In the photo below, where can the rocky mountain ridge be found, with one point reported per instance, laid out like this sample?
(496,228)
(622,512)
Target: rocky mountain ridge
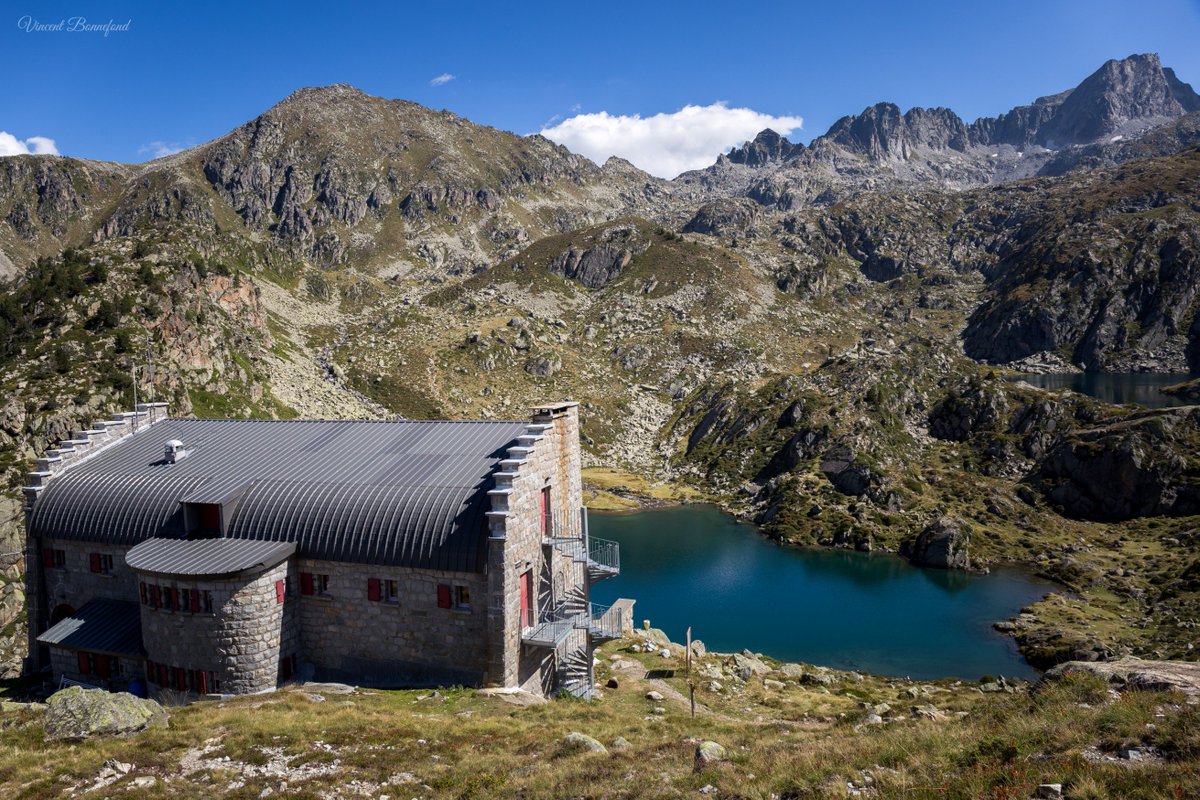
(884,148)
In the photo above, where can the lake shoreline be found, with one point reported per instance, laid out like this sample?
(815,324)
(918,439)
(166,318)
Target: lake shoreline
(841,572)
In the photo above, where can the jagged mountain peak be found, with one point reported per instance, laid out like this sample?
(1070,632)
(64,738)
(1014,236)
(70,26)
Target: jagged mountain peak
(1121,91)
(767,146)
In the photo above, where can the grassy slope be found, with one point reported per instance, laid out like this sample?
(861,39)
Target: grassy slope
(798,741)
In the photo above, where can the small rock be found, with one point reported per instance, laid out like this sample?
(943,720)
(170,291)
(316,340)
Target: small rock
(793,671)
(873,719)
(581,741)
(1049,791)
(929,712)
(655,696)
(120,767)
(709,753)
(620,743)
(143,782)
(659,710)
(708,788)
(772,684)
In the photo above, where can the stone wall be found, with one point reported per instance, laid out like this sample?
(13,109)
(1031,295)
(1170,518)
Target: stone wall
(241,642)
(412,642)
(65,663)
(75,584)
(548,456)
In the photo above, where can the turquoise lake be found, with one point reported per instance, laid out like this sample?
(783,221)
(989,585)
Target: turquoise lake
(695,565)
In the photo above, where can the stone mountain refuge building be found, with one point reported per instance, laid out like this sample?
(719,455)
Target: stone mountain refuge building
(222,556)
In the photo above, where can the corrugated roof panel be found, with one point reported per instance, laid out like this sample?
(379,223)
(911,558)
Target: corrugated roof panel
(402,493)
(101,626)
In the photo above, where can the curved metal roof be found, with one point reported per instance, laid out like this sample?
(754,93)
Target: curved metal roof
(393,493)
(206,557)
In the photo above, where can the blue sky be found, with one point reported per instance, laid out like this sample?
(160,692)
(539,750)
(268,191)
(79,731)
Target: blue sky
(185,73)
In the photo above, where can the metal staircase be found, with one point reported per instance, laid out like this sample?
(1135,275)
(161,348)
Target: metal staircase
(570,608)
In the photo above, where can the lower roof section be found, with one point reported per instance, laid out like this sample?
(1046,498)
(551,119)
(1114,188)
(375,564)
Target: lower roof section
(207,558)
(101,626)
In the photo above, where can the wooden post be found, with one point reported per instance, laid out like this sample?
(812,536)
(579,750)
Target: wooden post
(687,653)
(688,661)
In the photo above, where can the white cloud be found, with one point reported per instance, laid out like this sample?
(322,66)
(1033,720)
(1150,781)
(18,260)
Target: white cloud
(445,77)
(158,149)
(37,145)
(666,144)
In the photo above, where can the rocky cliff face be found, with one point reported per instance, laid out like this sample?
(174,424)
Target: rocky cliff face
(1059,284)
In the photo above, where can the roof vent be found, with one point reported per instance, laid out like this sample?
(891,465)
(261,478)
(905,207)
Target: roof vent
(174,451)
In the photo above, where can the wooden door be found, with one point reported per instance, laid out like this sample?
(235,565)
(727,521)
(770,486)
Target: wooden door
(547,513)
(526,599)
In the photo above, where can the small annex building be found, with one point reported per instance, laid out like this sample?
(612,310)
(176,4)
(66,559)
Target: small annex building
(222,556)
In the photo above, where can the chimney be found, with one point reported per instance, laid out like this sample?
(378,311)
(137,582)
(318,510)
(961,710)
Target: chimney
(174,451)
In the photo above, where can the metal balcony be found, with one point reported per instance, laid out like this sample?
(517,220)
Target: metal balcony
(603,560)
(603,623)
(548,628)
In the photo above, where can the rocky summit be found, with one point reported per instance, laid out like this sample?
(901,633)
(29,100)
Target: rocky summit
(821,337)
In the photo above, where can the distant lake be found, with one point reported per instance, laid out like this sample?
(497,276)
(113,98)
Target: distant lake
(695,565)
(1116,387)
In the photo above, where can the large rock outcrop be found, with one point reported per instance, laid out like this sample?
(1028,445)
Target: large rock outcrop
(78,713)
(1135,467)
(1136,673)
(944,543)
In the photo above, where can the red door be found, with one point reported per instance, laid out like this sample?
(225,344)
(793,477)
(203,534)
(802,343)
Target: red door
(547,528)
(526,600)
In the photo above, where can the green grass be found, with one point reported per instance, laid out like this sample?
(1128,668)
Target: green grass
(798,741)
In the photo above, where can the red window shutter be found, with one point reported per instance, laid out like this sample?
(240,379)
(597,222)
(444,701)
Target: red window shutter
(47,557)
(201,681)
(83,663)
(145,592)
(373,589)
(150,671)
(195,593)
(94,562)
(102,669)
(181,679)
(278,591)
(173,598)
(156,596)
(163,675)
(306,583)
(443,596)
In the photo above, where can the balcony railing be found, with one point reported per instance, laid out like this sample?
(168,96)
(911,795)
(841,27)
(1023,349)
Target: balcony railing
(603,622)
(604,555)
(548,627)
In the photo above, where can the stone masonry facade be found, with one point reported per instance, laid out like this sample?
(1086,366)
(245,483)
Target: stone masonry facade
(241,643)
(400,640)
